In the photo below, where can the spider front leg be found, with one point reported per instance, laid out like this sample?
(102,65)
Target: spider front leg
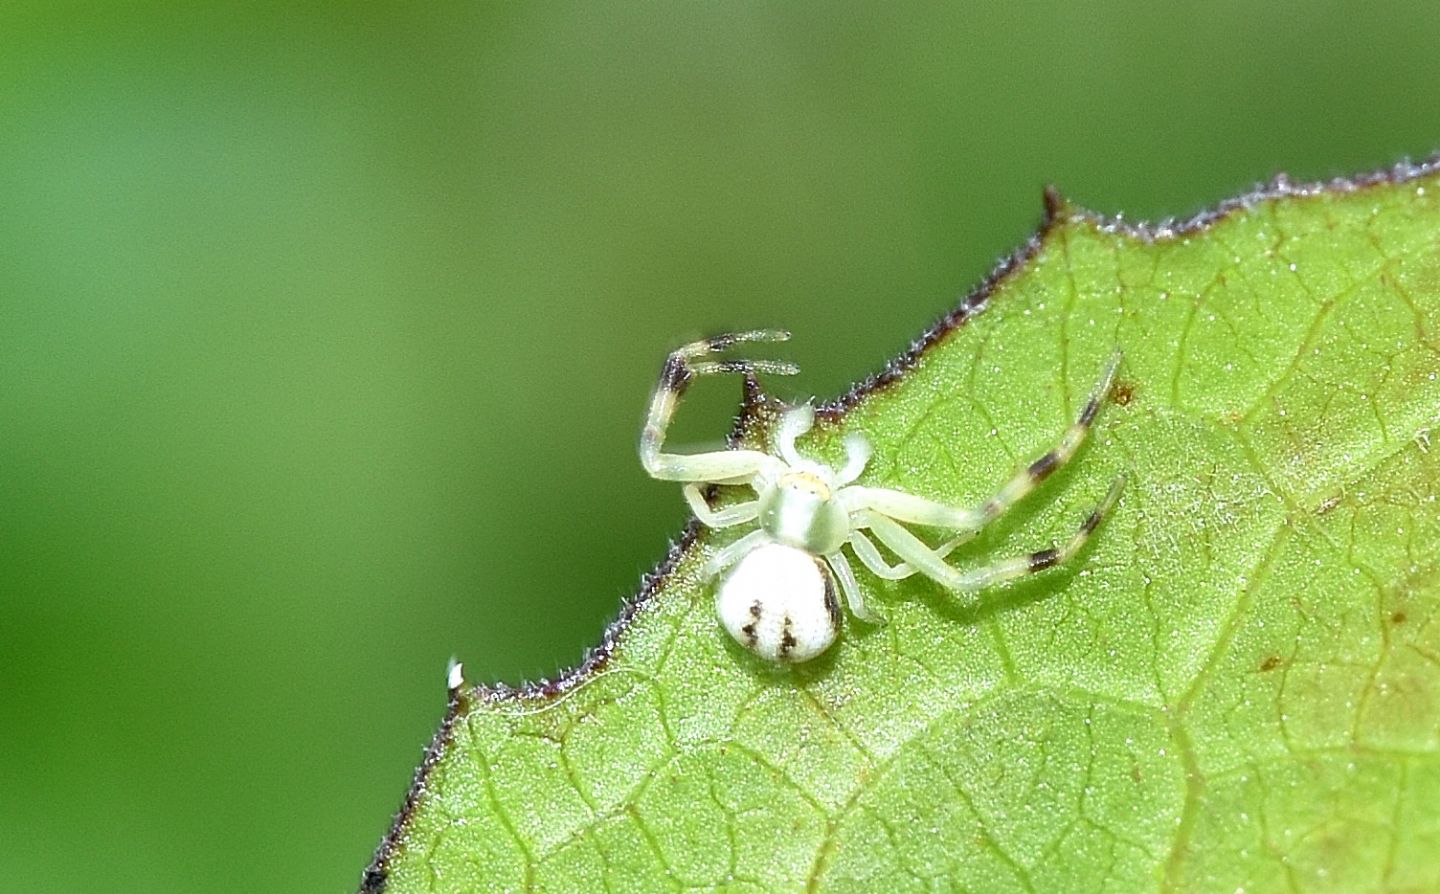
(798,420)
(923,559)
(918,510)
(681,367)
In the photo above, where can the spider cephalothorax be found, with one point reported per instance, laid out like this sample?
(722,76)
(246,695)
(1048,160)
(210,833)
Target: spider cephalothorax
(777,597)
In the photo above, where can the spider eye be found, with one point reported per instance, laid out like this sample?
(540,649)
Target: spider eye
(779,602)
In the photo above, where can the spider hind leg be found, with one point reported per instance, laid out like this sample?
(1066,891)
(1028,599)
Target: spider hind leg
(1054,459)
(919,556)
(913,509)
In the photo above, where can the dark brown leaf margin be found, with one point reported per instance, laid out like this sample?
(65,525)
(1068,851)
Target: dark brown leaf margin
(757,409)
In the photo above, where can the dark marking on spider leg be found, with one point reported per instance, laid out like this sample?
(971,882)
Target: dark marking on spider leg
(1092,408)
(1041,468)
(676,376)
(1092,521)
(1042,559)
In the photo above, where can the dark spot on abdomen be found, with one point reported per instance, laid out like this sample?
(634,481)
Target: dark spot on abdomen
(751,637)
(787,639)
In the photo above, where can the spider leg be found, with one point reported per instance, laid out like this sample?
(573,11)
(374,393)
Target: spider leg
(870,557)
(798,420)
(918,510)
(720,518)
(681,367)
(730,554)
(910,508)
(795,422)
(851,588)
(857,454)
(916,554)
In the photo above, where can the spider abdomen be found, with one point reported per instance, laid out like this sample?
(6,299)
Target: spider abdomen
(779,602)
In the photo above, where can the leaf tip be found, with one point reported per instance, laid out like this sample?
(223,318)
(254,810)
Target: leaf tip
(1057,207)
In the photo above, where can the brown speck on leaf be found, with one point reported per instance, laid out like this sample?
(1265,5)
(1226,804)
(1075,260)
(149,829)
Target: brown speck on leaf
(1135,775)
(1122,393)
(1398,618)
(1269,664)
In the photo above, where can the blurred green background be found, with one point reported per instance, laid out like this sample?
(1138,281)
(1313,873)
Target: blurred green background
(325,333)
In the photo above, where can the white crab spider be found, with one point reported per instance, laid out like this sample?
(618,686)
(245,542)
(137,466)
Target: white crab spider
(778,599)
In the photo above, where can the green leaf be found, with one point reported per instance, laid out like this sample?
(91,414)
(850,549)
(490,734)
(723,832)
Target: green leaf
(1236,686)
